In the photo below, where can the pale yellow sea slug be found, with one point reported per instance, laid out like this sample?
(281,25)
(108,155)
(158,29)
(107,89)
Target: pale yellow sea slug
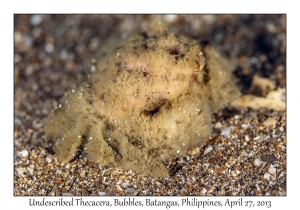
(148,99)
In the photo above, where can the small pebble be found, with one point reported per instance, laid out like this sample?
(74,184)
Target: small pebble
(94,44)
(49,48)
(218,125)
(27,41)
(270,122)
(257,138)
(257,162)
(93,68)
(158,183)
(188,158)
(129,191)
(208,149)
(267,176)
(272,170)
(244,126)
(63,55)
(48,159)
(23,153)
(170,18)
(30,170)
(119,188)
(29,70)
(17,58)
(67,194)
(21,171)
(36,20)
(268,158)
(226,131)
(271,27)
(245,154)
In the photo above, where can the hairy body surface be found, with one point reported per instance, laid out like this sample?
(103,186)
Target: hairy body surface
(148,99)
